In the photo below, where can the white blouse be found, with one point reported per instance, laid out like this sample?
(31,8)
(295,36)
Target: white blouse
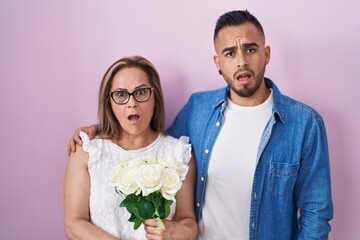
(104,201)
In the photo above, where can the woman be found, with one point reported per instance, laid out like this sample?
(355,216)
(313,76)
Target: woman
(131,125)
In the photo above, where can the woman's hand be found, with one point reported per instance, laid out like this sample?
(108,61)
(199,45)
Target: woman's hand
(183,226)
(173,230)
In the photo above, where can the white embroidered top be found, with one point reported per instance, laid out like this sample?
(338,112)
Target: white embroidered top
(104,201)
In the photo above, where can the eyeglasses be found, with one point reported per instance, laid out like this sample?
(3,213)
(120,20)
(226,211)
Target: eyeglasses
(140,95)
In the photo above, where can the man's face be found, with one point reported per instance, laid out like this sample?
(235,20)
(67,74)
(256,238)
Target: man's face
(242,58)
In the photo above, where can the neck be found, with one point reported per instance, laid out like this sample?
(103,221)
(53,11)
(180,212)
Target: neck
(130,141)
(257,98)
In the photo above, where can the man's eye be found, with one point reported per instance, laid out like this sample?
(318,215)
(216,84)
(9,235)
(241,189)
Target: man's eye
(230,54)
(250,50)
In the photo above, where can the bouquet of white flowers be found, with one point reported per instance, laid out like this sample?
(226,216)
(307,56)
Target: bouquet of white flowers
(149,185)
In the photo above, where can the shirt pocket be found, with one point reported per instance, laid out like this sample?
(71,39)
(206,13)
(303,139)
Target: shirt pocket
(282,178)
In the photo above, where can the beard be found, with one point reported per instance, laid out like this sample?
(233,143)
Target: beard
(246,90)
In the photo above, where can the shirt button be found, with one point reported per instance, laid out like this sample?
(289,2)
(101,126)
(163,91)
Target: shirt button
(202,179)
(198,204)
(206,151)
(217,124)
(253,225)
(255,196)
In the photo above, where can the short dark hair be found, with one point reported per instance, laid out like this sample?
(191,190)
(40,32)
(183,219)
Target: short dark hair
(235,18)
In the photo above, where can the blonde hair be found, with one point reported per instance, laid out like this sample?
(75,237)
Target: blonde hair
(109,126)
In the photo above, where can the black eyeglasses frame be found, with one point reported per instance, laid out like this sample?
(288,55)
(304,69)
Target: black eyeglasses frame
(151,89)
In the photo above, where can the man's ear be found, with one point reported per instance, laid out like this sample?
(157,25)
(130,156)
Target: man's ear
(267,54)
(217,63)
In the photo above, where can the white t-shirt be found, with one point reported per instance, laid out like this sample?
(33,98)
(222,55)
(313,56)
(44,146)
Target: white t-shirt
(226,209)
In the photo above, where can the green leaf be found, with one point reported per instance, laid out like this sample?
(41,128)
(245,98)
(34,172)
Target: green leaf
(168,202)
(146,208)
(128,207)
(124,203)
(167,211)
(137,224)
(150,197)
(161,211)
(135,211)
(132,218)
(133,197)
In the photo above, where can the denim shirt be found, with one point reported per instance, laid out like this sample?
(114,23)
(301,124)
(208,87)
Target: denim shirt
(291,192)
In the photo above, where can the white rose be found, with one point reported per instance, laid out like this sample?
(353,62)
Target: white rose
(124,178)
(115,174)
(129,183)
(180,168)
(171,184)
(149,178)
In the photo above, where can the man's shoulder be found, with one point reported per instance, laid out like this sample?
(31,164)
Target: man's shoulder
(209,96)
(294,106)
(287,106)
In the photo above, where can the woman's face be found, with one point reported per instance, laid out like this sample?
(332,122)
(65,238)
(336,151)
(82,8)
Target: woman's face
(133,116)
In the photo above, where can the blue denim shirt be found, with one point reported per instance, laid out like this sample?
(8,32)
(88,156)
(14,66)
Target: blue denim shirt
(291,192)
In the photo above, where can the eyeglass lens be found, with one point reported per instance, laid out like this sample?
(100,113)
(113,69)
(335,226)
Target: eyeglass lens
(140,95)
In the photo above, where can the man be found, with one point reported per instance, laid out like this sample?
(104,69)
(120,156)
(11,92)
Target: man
(262,158)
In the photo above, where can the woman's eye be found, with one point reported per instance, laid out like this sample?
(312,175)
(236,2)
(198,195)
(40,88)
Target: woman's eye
(120,93)
(140,92)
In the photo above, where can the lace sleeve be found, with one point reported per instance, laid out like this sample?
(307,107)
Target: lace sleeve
(185,150)
(93,147)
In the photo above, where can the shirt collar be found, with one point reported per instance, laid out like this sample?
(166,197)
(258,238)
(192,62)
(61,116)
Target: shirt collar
(278,103)
(221,98)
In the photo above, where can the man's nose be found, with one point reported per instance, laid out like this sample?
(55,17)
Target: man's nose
(242,59)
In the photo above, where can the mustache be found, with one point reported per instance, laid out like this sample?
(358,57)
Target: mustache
(240,70)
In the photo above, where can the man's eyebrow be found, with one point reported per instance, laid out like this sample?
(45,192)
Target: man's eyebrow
(245,45)
(252,44)
(228,49)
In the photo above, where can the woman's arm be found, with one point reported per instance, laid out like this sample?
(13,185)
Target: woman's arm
(183,225)
(76,199)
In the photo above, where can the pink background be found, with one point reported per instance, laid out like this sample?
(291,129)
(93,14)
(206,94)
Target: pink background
(54,53)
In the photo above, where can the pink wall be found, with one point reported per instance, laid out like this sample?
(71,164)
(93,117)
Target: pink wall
(53,54)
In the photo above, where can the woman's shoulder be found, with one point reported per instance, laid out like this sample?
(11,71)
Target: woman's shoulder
(97,147)
(182,141)
(92,144)
(180,147)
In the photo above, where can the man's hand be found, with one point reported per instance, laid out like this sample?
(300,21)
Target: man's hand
(89,130)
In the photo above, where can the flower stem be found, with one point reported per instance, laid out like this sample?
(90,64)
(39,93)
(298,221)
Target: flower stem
(159,221)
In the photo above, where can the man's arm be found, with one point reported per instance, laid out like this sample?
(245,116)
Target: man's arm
(180,125)
(313,189)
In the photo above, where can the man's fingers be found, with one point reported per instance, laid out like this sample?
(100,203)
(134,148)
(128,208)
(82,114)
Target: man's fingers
(68,149)
(76,140)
